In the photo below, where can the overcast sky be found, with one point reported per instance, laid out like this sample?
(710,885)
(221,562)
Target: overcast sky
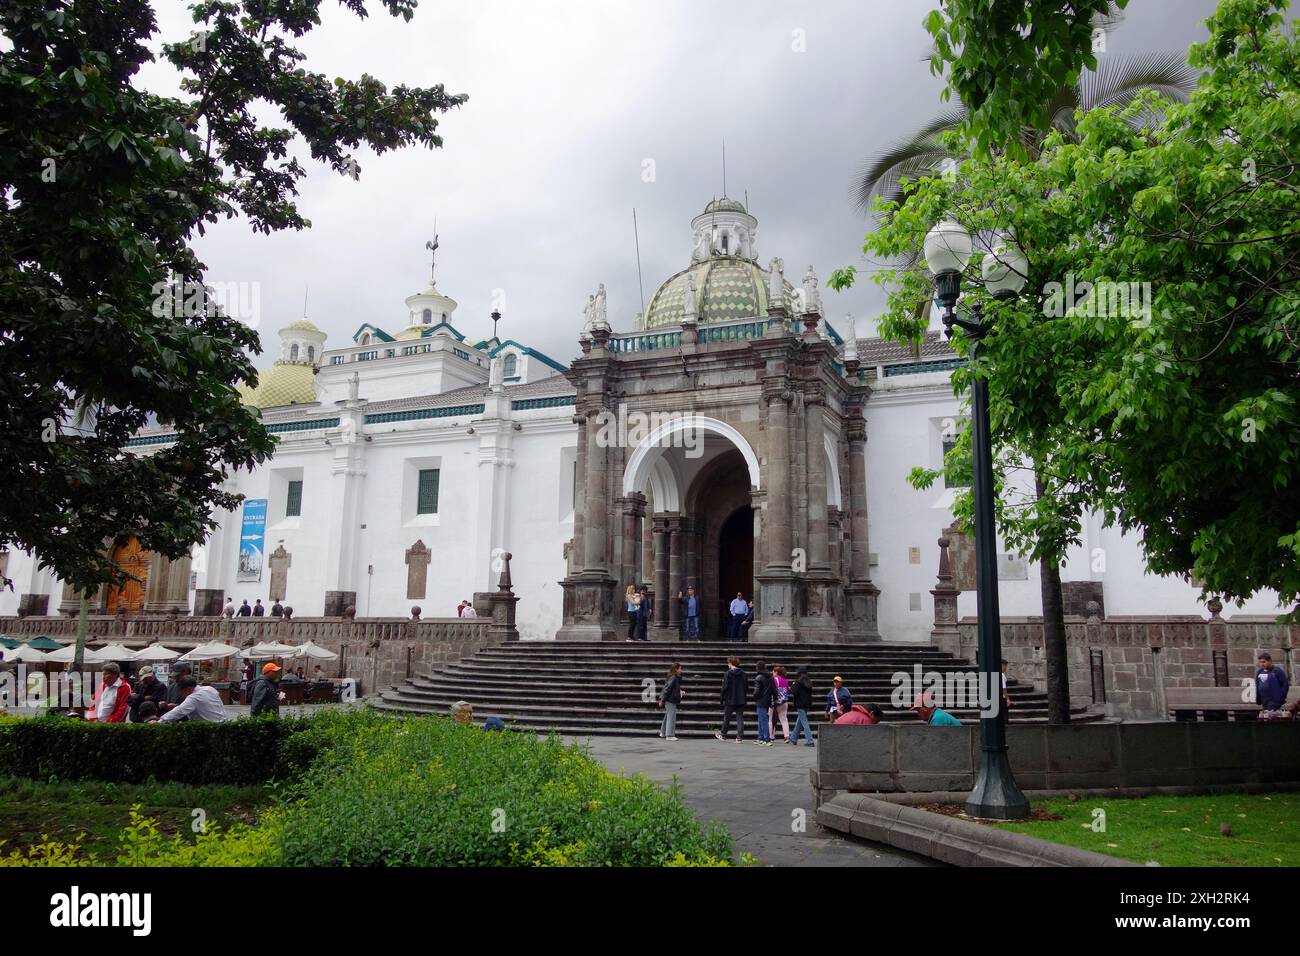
(534,187)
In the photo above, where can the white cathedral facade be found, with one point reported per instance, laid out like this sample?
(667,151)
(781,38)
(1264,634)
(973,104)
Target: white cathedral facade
(415,454)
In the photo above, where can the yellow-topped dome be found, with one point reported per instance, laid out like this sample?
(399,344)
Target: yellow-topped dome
(411,332)
(303,325)
(284,383)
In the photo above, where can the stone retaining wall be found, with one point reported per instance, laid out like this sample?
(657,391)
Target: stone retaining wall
(914,757)
(1122,664)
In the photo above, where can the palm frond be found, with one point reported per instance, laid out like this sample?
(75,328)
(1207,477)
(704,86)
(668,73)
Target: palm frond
(908,158)
(1117,81)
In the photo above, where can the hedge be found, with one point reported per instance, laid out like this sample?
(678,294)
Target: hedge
(241,752)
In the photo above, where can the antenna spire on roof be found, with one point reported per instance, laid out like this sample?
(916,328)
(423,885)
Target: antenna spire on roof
(432,246)
(724,169)
(305,290)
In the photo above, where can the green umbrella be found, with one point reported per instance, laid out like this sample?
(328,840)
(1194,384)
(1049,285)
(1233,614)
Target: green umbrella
(44,643)
(8,643)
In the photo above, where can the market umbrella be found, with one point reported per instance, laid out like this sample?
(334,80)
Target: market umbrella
(64,655)
(272,649)
(25,654)
(156,652)
(315,651)
(115,652)
(9,643)
(211,651)
(44,643)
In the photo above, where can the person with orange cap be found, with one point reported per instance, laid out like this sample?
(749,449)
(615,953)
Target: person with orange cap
(264,697)
(838,699)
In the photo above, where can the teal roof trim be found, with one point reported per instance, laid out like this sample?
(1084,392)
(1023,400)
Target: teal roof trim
(443,325)
(527,351)
(373,330)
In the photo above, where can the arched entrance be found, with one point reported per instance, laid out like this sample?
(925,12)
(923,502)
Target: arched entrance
(133,559)
(735,562)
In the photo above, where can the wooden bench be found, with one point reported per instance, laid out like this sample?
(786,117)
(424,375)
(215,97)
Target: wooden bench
(1215,703)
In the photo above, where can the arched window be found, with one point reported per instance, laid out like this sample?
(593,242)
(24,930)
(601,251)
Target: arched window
(365,339)
(293,352)
(428,316)
(510,366)
(311,353)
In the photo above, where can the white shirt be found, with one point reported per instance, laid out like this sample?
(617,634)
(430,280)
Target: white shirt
(107,700)
(204,703)
(469,611)
(739,606)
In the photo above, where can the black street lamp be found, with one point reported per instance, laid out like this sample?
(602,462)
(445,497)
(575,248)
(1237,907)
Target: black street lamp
(947,250)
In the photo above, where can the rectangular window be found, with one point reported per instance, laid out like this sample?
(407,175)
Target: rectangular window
(426,501)
(293,500)
(338,359)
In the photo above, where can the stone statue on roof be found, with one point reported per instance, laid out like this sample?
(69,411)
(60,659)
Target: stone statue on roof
(495,373)
(688,300)
(598,315)
(812,297)
(776,289)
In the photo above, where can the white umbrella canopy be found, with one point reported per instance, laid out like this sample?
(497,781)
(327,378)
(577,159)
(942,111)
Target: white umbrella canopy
(211,651)
(272,649)
(156,652)
(314,651)
(115,652)
(66,655)
(22,654)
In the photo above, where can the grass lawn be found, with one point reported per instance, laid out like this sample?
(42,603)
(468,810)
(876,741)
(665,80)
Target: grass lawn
(1180,831)
(30,810)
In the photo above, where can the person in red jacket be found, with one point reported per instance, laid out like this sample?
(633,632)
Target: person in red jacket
(858,714)
(112,699)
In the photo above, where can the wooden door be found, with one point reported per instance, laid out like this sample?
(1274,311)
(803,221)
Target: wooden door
(134,560)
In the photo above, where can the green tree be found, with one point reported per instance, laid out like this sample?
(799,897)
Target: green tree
(106,324)
(1165,399)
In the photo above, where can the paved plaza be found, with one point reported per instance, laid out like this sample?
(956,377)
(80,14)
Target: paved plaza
(753,790)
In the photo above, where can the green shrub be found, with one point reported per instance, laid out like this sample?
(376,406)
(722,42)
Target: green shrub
(239,752)
(426,791)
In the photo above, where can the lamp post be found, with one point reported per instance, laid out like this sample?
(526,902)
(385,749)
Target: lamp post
(947,250)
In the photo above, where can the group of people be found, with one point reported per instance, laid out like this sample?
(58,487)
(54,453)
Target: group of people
(640,610)
(151,700)
(466,609)
(774,693)
(257,609)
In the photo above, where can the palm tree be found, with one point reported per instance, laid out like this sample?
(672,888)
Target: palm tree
(1116,83)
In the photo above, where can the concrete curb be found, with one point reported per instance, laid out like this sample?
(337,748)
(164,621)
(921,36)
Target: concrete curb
(948,839)
(1108,793)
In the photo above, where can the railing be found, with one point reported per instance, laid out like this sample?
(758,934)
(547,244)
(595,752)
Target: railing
(554,401)
(241,630)
(655,340)
(414,414)
(917,368)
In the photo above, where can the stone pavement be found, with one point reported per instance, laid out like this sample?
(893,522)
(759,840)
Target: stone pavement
(753,790)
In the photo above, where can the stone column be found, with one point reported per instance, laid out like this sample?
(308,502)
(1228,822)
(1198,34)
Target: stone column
(580,493)
(661,570)
(596,507)
(815,451)
(674,571)
(775,609)
(168,586)
(347,487)
(944,633)
(861,596)
(633,509)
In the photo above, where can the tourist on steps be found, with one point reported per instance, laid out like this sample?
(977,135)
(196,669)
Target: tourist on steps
(739,608)
(748,622)
(669,699)
(838,700)
(801,693)
(764,699)
(644,608)
(631,597)
(690,614)
(734,694)
(782,691)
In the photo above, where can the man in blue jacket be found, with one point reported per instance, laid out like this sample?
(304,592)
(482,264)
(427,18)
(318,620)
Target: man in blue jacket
(838,699)
(1271,686)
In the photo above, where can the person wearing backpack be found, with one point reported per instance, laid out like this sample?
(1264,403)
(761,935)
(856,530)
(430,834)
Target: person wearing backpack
(802,695)
(764,700)
(782,691)
(669,699)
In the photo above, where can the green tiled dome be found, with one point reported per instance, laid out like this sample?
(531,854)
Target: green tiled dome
(726,288)
(284,383)
(725,205)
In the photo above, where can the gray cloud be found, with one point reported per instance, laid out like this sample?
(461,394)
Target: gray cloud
(534,189)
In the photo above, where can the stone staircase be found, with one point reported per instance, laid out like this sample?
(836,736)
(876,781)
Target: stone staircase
(596,689)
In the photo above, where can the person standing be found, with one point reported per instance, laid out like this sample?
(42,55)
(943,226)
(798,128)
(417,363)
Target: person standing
(245,610)
(113,699)
(229,610)
(669,699)
(630,596)
(277,609)
(258,609)
(644,608)
(747,623)
(802,695)
(1271,687)
(264,698)
(782,691)
(734,693)
(469,610)
(838,700)
(738,611)
(764,698)
(691,614)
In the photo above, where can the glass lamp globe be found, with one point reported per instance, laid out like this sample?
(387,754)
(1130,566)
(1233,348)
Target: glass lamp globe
(947,247)
(1005,268)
